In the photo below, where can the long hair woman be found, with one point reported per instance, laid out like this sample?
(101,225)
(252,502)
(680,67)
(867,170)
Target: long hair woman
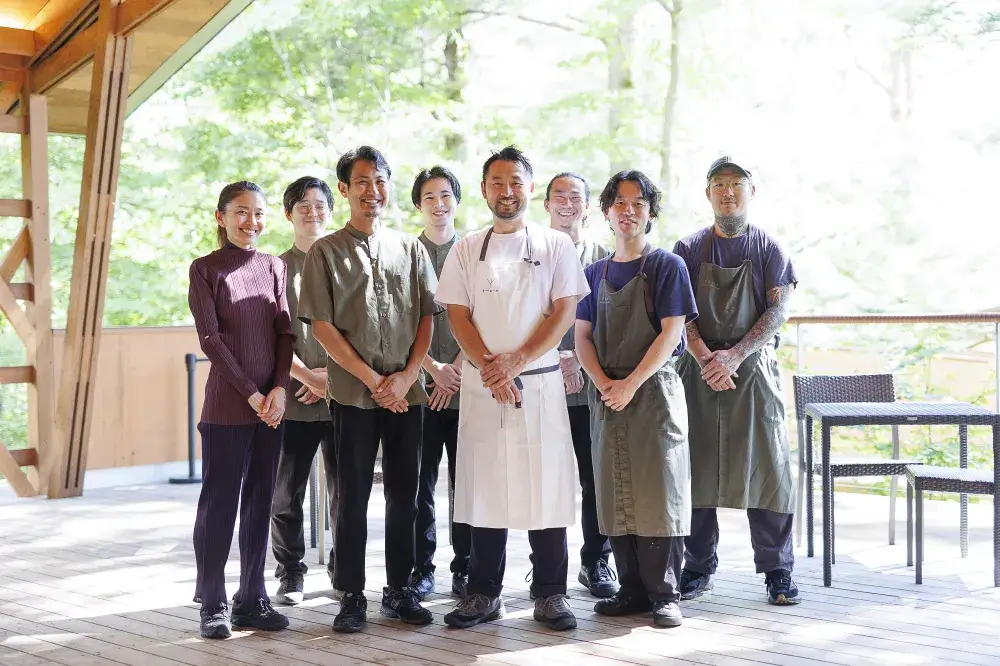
(237,298)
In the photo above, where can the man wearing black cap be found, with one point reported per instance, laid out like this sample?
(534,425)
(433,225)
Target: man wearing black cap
(732,380)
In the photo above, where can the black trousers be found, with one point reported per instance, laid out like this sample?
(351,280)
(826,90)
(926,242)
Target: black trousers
(549,559)
(649,566)
(238,466)
(298,450)
(440,434)
(596,546)
(770,535)
(357,433)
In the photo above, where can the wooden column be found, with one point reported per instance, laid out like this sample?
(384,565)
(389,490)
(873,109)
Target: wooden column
(105,120)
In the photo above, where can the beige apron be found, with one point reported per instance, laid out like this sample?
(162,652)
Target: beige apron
(641,464)
(739,442)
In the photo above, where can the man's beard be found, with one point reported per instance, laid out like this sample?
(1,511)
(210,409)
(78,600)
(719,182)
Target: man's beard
(732,225)
(516,212)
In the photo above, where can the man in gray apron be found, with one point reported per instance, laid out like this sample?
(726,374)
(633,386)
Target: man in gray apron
(627,330)
(567,201)
(739,443)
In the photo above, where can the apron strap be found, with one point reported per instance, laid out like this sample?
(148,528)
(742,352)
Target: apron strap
(486,245)
(646,290)
(537,371)
(706,247)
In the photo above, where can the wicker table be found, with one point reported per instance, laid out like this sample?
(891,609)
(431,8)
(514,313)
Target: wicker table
(832,414)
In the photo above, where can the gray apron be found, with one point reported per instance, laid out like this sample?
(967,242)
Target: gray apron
(641,465)
(739,442)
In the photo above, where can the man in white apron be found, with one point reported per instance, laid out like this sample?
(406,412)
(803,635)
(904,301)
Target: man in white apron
(511,291)
(736,411)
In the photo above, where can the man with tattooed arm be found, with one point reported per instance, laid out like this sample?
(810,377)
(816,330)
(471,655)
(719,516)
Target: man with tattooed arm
(732,380)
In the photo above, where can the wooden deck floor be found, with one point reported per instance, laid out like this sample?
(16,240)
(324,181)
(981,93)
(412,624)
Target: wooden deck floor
(108,578)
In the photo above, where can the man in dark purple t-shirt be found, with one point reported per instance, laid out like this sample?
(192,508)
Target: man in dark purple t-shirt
(732,380)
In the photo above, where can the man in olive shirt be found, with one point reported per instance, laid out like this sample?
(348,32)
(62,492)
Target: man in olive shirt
(567,201)
(368,292)
(307,203)
(436,194)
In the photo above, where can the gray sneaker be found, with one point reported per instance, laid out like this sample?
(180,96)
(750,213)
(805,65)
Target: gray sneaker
(290,591)
(555,612)
(475,609)
(667,614)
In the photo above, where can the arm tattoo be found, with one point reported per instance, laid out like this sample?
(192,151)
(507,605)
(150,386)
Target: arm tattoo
(769,323)
(692,331)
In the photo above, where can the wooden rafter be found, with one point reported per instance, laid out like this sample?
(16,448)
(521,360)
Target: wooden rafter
(22,374)
(13,124)
(73,55)
(14,208)
(17,42)
(133,13)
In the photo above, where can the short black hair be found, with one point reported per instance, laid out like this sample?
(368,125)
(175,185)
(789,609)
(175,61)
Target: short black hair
(436,171)
(569,174)
(296,192)
(509,154)
(345,165)
(650,192)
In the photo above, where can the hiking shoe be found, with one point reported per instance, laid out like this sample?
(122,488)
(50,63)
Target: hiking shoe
(258,614)
(403,604)
(475,609)
(781,589)
(460,585)
(694,584)
(555,612)
(622,603)
(353,609)
(667,614)
(422,584)
(215,622)
(599,579)
(290,591)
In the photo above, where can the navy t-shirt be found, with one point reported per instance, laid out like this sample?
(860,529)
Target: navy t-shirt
(772,267)
(669,283)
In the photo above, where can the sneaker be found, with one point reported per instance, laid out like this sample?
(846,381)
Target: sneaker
(667,614)
(215,623)
(781,589)
(290,591)
(422,584)
(353,609)
(599,579)
(404,605)
(622,603)
(258,614)
(460,585)
(555,612)
(475,609)
(694,584)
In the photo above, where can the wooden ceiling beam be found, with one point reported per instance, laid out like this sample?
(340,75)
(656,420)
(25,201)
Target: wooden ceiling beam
(71,57)
(58,20)
(133,13)
(17,42)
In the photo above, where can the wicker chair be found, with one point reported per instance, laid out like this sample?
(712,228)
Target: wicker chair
(849,388)
(944,480)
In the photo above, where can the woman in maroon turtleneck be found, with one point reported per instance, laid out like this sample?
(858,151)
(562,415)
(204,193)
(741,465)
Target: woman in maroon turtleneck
(237,297)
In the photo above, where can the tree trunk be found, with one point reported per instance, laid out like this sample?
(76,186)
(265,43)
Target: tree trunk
(670,104)
(454,60)
(620,83)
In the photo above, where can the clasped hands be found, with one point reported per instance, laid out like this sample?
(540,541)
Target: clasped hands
(270,408)
(389,391)
(446,380)
(498,374)
(572,371)
(718,368)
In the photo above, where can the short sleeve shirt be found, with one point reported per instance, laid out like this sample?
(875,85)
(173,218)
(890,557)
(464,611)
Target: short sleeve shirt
(307,348)
(374,290)
(670,288)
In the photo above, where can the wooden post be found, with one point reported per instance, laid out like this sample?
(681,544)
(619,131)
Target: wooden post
(105,120)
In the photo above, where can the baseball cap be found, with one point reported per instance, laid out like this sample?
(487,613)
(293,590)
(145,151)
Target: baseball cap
(727,161)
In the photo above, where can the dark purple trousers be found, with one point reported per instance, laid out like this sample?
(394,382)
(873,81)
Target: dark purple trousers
(238,468)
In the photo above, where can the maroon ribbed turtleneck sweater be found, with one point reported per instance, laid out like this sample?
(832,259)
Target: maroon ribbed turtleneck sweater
(238,301)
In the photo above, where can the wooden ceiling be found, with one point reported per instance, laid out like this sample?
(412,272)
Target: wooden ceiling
(49,44)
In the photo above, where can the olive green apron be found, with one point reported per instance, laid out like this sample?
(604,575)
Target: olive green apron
(641,465)
(738,438)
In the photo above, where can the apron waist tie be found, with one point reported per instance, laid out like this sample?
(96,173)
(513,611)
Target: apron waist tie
(537,371)
(716,345)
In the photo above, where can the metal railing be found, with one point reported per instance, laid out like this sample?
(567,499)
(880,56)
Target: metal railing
(190,362)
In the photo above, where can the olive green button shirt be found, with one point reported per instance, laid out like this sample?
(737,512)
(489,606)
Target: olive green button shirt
(374,290)
(589,253)
(444,347)
(307,348)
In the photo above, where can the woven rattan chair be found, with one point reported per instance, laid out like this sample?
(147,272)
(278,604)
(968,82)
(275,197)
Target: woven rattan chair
(847,388)
(944,480)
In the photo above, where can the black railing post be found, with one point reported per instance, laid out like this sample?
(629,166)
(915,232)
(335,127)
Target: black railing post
(190,360)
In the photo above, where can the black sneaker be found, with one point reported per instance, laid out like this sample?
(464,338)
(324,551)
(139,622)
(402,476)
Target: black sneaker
(781,589)
(475,609)
(694,584)
(667,614)
(599,579)
(404,605)
(353,609)
(554,612)
(258,614)
(622,603)
(290,592)
(215,622)
(422,583)
(460,585)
